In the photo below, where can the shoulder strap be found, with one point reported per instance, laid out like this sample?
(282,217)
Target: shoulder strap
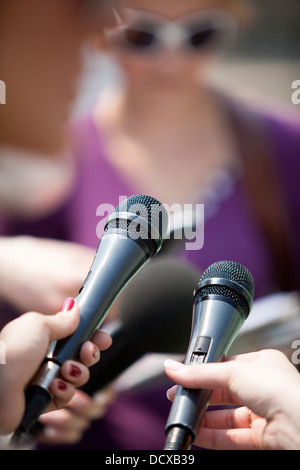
(266,196)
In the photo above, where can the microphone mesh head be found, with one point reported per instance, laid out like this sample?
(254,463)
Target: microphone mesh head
(234,272)
(149,209)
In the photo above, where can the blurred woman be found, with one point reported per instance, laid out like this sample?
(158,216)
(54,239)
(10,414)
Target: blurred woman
(168,133)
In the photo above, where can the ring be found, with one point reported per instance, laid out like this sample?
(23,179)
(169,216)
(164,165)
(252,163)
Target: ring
(250,418)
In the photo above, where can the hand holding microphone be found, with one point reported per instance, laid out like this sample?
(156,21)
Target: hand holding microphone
(154,312)
(134,233)
(28,337)
(263,388)
(223,300)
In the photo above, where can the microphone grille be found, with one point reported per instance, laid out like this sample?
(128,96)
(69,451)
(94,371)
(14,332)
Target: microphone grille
(235,273)
(232,271)
(148,209)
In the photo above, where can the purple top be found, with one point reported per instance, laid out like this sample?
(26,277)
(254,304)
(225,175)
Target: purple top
(137,421)
(231,230)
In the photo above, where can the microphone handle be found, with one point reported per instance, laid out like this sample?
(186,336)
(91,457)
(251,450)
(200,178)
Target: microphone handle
(216,322)
(117,260)
(115,360)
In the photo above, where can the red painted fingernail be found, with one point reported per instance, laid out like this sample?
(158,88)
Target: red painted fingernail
(75,371)
(68,305)
(62,386)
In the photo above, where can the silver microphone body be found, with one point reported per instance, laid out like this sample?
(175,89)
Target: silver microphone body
(220,309)
(134,233)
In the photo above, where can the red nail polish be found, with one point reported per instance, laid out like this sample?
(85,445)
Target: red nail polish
(62,386)
(68,305)
(75,371)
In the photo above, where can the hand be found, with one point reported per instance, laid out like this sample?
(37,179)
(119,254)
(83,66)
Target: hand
(264,382)
(66,426)
(38,274)
(26,341)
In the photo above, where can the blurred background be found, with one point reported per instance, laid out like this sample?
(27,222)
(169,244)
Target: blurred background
(266,58)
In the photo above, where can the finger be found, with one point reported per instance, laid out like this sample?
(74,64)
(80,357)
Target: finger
(64,323)
(172,392)
(196,377)
(102,339)
(218,397)
(90,350)
(208,376)
(233,418)
(89,354)
(86,406)
(53,435)
(225,439)
(265,357)
(103,399)
(64,419)
(75,373)
(62,393)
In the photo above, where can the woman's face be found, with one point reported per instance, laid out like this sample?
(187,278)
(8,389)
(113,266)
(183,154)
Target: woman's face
(157,65)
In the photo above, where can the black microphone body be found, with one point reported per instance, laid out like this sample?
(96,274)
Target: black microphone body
(115,360)
(223,300)
(155,312)
(133,235)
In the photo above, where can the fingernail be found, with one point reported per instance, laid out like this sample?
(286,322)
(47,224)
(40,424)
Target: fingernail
(171,390)
(96,353)
(75,371)
(173,365)
(62,386)
(68,305)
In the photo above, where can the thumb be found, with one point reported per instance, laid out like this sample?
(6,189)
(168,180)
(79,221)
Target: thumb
(64,323)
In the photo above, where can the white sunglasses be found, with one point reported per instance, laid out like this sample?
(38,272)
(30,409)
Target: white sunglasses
(149,34)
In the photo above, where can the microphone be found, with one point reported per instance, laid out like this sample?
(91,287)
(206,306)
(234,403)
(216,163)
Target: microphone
(155,311)
(134,233)
(223,301)
(182,225)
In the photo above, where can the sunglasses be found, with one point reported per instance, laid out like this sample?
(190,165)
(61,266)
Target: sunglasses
(149,34)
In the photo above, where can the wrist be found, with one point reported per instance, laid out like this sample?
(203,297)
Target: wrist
(285,432)
(11,252)
(284,423)
(5,254)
